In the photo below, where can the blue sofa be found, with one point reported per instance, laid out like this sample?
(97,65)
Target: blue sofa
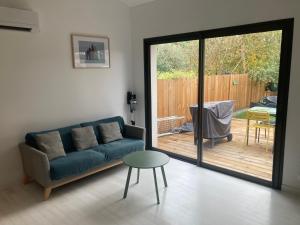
(77,164)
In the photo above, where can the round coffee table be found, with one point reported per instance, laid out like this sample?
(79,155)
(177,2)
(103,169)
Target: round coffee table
(146,160)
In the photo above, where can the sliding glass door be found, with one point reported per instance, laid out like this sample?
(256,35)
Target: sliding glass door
(218,98)
(174,93)
(240,102)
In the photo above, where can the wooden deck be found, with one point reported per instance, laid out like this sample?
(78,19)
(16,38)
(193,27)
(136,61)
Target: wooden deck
(235,155)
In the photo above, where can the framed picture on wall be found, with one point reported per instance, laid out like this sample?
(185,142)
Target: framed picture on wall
(90,51)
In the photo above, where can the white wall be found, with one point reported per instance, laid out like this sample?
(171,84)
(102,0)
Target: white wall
(39,89)
(164,17)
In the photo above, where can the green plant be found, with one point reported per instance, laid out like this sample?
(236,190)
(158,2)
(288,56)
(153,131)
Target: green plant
(179,56)
(176,75)
(255,54)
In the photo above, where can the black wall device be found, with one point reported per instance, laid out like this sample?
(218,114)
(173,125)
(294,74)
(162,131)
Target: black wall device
(131,98)
(131,101)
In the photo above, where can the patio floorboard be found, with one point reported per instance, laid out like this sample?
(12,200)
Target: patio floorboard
(235,155)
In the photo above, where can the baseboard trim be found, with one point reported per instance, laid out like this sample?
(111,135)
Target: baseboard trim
(290,189)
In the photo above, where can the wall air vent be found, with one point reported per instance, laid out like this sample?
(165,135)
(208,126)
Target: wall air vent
(18,19)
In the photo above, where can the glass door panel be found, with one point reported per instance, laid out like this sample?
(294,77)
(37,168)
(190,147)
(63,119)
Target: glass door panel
(240,102)
(174,91)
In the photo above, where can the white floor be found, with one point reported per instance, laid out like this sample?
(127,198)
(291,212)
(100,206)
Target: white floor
(194,196)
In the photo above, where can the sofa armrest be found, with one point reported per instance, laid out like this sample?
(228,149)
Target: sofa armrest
(134,132)
(36,164)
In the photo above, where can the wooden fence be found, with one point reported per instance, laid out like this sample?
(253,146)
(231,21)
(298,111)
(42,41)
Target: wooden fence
(174,97)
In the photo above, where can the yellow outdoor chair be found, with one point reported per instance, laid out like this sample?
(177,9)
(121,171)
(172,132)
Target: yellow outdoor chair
(262,120)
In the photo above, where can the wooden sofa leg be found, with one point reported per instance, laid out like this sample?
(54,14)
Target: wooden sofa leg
(47,192)
(26,179)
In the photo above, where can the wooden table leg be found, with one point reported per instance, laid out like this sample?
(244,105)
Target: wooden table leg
(156,189)
(127,182)
(164,176)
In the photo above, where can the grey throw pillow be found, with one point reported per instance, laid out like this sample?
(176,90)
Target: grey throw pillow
(50,143)
(110,132)
(84,137)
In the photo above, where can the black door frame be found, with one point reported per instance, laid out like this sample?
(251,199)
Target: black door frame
(286,25)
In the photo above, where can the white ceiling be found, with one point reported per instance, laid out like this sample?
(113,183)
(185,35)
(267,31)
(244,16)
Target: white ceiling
(133,3)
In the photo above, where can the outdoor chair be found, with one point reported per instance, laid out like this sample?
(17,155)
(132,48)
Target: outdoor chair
(262,120)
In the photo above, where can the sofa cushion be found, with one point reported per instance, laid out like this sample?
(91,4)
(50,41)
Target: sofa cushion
(75,163)
(84,138)
(96,123)
(51,144)
(117,149)
(65,134)
(110,132)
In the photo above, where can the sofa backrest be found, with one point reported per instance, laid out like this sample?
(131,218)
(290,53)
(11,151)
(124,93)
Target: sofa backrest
(95,125)
(66,132)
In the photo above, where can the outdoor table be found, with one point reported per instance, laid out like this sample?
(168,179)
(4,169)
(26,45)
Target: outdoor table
(271,111)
